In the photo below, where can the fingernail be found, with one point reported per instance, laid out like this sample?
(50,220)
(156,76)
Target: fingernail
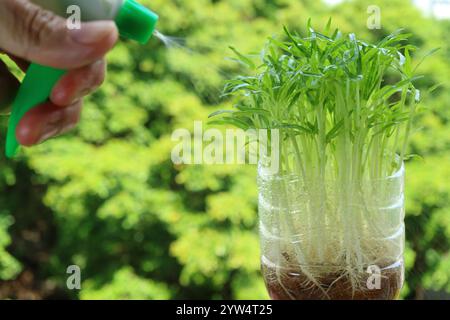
(49,131)
(81,94)
(92,32)
(51,128)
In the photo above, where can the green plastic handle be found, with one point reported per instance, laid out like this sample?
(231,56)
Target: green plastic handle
(35,90)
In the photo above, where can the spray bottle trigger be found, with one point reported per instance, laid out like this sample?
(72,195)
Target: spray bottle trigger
(35,90)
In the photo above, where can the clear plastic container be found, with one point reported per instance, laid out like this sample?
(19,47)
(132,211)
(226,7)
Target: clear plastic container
(327,240)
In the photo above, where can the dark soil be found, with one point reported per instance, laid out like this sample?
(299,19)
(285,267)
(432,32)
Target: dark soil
(337,287)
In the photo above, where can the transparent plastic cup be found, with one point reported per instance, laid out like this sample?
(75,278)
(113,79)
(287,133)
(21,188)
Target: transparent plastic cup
(327,240)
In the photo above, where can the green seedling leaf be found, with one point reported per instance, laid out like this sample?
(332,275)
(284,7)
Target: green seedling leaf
(333,133)
(245,60)
(429,54)
(220,112)
(230,121)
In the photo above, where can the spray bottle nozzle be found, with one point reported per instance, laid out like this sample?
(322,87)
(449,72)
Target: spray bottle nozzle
(136,22)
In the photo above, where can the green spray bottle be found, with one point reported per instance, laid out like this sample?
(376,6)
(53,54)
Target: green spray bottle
(133,21)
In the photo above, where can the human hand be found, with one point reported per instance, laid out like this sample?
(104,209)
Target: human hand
(31,34)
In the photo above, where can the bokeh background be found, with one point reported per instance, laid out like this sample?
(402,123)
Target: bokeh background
(108,198)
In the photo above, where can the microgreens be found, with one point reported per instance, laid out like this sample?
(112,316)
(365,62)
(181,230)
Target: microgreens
(337,100)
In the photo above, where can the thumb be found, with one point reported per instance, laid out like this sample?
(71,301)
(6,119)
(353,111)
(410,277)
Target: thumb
(37,35)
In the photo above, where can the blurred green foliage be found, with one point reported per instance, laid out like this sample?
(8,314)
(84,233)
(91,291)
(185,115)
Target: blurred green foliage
(108,198)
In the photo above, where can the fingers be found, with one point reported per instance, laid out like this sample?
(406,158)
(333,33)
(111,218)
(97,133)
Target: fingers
(63,112)
(47,121)
(79,83)
(8,88)
(37,35)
